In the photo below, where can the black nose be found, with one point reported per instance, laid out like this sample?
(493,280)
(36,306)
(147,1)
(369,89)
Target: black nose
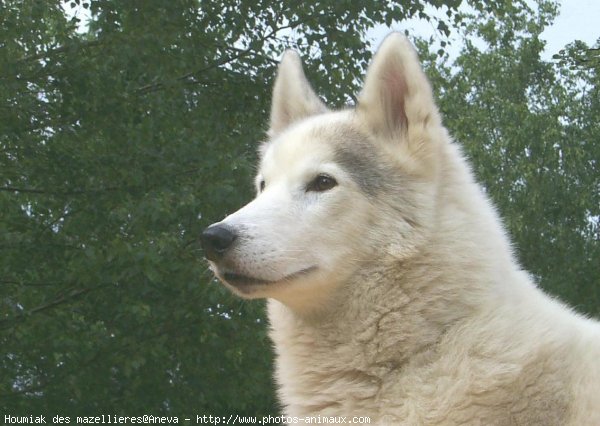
(216,239)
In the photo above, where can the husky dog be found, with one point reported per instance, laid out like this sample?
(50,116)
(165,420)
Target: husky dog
(392,289)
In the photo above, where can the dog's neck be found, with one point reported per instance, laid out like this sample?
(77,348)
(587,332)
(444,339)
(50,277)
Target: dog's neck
(371,329)
(347,351)
(392,301)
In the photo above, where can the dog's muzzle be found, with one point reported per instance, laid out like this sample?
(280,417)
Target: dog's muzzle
(216,240)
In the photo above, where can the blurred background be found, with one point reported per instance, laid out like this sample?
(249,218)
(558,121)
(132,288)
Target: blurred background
(126,127)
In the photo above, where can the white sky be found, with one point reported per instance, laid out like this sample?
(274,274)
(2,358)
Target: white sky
(577,20)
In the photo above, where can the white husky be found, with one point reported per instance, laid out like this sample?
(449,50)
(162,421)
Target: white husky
(393,292)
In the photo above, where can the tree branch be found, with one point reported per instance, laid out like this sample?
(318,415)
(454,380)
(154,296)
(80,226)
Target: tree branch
(9,322)
(60,49)
(26,284)
(49,192)
(156,86)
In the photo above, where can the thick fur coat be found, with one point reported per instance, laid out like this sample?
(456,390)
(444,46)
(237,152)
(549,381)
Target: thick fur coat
(392,289)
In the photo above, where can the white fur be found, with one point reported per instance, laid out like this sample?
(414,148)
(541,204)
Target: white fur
(414,310)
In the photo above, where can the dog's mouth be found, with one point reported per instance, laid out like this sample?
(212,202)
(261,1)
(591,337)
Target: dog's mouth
(239,280)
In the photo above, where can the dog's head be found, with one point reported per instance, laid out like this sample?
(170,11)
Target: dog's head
(335,190)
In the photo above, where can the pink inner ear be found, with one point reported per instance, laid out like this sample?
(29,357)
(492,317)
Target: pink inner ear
(395,93)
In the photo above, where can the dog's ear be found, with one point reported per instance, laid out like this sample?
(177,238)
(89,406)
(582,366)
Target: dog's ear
(396,95)
(293,97)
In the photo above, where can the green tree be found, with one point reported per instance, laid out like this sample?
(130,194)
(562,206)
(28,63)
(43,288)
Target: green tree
(531,129)
(578,54)
(119,143)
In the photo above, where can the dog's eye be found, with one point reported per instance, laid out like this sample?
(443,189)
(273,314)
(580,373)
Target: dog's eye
(321,183)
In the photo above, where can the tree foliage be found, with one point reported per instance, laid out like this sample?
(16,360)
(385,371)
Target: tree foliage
(122,139)
(578,54)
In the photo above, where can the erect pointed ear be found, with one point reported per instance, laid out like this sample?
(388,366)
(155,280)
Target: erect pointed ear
(396,95)
(293,97)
